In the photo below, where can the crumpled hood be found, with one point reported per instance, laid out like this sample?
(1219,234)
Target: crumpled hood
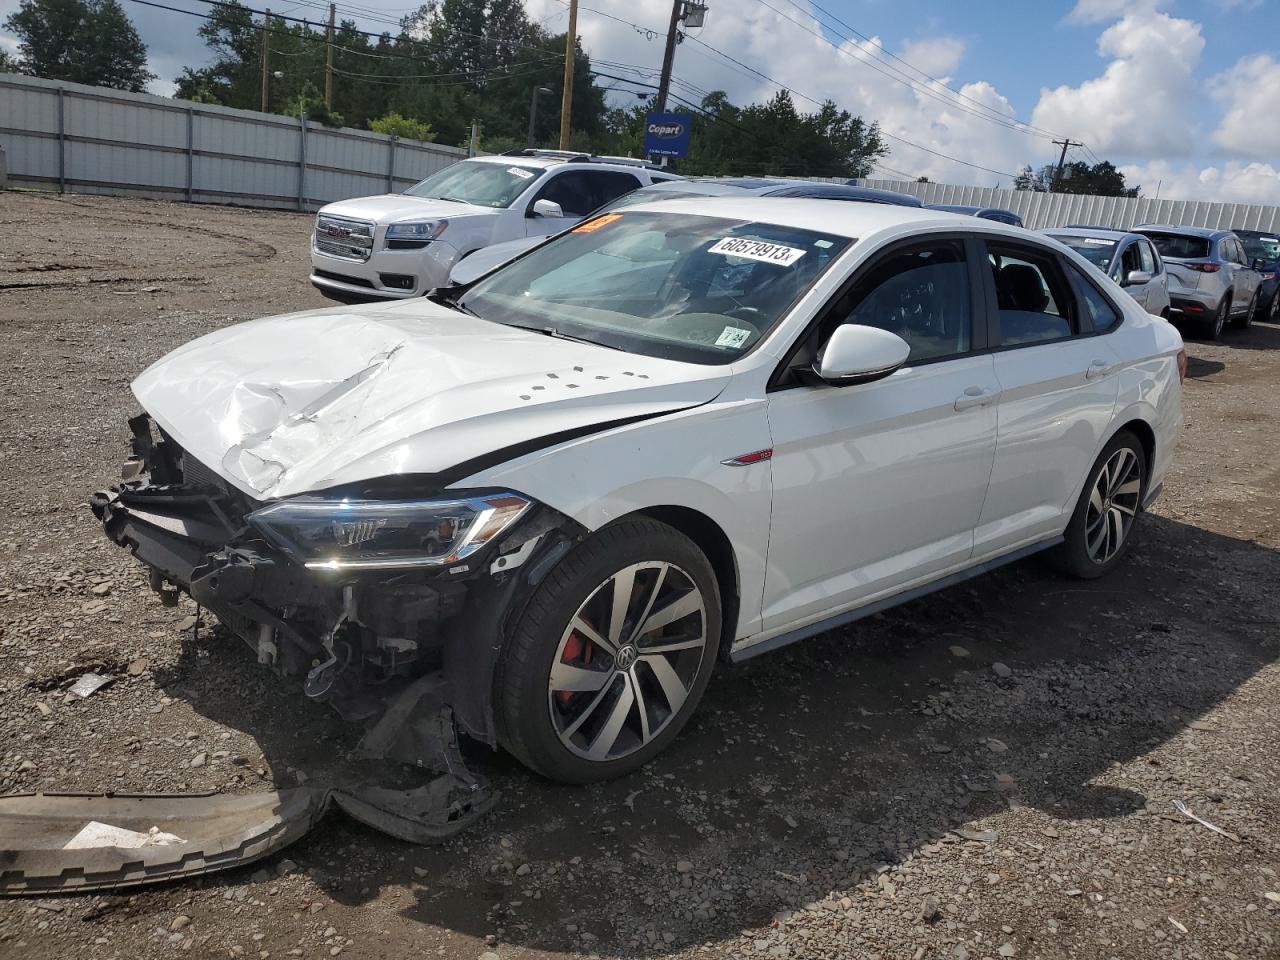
(310,400)
(394,207)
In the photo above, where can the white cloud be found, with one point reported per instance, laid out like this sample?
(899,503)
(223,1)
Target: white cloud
(1232,182)
(935,56)
(1237,6)
(1249,92)
(1140,105)
(1096,11)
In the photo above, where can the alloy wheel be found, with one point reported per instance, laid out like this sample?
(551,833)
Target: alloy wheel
(1113,504)
(1220,319)
(627,661)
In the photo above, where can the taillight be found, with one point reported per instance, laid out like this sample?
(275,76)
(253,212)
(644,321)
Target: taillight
(1203,267)
(1182,366)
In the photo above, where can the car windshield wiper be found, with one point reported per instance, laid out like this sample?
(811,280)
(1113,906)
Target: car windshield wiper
(453,304)
(451,199)
(559,335)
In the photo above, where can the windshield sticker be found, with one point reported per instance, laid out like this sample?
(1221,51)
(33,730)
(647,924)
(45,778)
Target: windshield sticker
(592,225)
(1104,243)
(733,337)
(824,244)
(522,174)
(757,250)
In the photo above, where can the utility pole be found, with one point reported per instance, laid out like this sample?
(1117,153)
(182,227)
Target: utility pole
(1057,174)
(266,59)
(669,56)
(566,96)
(328,60)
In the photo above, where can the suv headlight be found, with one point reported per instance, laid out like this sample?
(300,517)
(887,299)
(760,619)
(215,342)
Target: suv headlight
(386,534)
(422,230)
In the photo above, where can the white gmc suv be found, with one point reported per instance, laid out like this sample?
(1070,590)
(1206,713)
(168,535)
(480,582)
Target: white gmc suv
(400,245)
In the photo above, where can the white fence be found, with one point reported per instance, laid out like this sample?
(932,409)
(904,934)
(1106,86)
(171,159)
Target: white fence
(1040,210)
(67,136)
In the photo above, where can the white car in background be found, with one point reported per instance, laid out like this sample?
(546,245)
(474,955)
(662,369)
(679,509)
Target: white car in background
(679,434)
(400,245)
(1129,259)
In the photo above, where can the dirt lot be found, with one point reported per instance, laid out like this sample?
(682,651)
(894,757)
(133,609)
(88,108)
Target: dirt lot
(988,772)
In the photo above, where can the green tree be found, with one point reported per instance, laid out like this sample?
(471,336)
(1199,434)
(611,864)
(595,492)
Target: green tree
(81,41)
(1101,179)
(309,102)
(395,125)
(7,63)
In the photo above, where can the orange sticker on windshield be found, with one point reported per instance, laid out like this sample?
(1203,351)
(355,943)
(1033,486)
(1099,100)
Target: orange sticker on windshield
(592,225)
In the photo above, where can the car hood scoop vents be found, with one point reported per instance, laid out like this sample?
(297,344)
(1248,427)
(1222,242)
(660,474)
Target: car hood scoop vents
(315,400)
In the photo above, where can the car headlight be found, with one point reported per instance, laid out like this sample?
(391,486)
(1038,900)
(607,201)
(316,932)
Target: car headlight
(386,534)
(422,230)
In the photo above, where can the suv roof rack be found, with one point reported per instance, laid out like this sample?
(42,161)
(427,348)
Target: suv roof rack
(566,155)
(574,156)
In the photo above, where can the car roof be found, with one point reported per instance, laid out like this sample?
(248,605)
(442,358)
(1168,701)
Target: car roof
(1256,233)
(1206,233)
(765,187)
(953,208)
(824,215)
(551,158)
(1103,233)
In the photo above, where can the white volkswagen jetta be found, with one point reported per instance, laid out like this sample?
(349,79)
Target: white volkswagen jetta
(680,434)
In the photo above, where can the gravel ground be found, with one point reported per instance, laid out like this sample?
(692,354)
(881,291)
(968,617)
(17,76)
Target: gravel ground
(988,772)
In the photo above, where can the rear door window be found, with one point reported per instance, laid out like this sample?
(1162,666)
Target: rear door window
(1033,298)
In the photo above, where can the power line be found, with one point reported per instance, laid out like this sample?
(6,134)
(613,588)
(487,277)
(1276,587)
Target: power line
(897,76)
(928,76)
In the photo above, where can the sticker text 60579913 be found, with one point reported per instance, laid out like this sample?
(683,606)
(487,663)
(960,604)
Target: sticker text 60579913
(757,250)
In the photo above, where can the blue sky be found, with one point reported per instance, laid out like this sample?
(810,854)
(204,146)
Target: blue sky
(1180,93)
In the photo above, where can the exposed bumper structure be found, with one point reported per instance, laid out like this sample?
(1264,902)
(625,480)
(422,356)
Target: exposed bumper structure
(410,653)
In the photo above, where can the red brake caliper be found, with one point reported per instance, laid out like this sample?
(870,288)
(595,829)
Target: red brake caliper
(574,648)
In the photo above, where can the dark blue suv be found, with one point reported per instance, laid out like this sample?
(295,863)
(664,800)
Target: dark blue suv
(1264,246)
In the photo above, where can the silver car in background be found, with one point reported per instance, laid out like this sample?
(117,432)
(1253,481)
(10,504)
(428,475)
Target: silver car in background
(1210,278)
(1129,259)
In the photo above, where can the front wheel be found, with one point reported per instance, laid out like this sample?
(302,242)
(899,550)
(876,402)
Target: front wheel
(611,656)
(1101,527)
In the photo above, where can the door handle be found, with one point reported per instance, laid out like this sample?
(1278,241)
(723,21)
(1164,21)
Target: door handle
(976,397)
(1098,368)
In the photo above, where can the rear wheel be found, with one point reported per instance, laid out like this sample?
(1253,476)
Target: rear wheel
(611,656)
(1213,325)
(1273,314)
(1246,321)
(1101,528)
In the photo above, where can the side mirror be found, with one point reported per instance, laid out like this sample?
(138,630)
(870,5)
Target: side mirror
(546,208)
(1259,263)
(859,354)
(1137,278)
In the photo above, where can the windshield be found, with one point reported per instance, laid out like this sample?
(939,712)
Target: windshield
(1261,247)
(670,285)
(1096,250)
(1179,246)
(484,184)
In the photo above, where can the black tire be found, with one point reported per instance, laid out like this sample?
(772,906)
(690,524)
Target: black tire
(523,699)
(1273,313)
(1073,555)
(1246,321)
(1212,326)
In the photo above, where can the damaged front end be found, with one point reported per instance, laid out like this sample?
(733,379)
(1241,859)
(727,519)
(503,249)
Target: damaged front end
(390,608)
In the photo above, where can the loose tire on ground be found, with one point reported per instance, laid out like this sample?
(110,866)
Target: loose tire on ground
(535,706)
